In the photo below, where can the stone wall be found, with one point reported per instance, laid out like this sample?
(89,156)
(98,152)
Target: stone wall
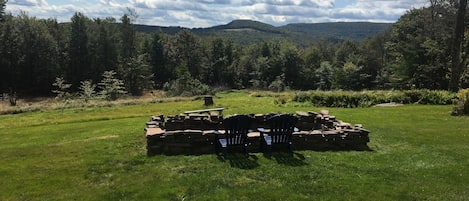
(194,133)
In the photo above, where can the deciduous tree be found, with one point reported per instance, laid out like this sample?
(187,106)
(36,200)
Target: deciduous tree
(456,46)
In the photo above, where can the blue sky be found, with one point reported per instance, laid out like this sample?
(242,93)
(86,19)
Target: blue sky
(206,13)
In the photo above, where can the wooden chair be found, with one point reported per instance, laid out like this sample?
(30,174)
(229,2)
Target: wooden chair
(280,133)
(236,129)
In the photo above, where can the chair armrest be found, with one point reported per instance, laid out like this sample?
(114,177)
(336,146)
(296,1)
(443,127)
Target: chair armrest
(217,132)
(262,130)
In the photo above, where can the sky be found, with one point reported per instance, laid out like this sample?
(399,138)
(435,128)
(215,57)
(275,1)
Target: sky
(207,13)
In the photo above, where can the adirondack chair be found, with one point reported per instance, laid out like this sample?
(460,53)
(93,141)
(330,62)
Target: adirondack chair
(280,133)
(236,129)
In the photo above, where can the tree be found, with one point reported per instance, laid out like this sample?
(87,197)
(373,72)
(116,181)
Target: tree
(2,8)
(111,87)
(324,76)
(348,77)
(137,75)
(79,63)
(346,49)
(37,65)
(245,68)
(9,54)
(292,64)
(87,90)
(127,38)
(61,89)
(312,61)
(419,48)
(186,49)
(102,47)
(458,37)
(221,58)
(158,61)
(374,59)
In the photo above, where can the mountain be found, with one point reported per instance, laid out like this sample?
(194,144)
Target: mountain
(247,25)
(249,31)
(245,32)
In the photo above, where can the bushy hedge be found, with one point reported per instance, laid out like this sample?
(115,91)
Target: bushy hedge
(186,86)
(351,99)
(461,104)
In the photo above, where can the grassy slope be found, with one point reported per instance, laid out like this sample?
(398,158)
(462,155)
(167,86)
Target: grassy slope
(419,153)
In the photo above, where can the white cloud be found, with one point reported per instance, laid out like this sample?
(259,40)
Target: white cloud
(27,2)
(205,13)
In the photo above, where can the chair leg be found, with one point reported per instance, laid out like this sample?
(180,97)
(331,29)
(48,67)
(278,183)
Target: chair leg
(217,146)
(290,146)
(269,150)
(261,145)
(246,152)
(224,153)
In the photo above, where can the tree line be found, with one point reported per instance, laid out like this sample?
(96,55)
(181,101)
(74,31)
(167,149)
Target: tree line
(427,48)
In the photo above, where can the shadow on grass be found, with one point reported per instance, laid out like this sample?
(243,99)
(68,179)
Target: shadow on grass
(336,147)
(286,158)
(238,160)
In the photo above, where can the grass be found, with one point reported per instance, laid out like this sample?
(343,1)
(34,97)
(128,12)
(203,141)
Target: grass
(419,153)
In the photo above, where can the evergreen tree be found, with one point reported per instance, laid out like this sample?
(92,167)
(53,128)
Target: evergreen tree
(37,64)
(188,51)
(111,87)
(3,4)
(127,38)
(102,47)
(9,54)
(79,63)
(158,61)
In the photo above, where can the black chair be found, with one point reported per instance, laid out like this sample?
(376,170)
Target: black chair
(236,130)
(280,132)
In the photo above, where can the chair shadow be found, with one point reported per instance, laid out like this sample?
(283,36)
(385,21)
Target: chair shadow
(286,158)
(239,160)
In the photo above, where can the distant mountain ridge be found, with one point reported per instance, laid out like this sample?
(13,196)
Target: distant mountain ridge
(249,31)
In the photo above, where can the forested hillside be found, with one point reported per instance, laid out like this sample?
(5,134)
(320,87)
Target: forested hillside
(339,30)
(425,48)
(247,32)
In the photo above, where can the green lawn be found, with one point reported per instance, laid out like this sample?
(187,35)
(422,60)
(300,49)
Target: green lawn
(419,153)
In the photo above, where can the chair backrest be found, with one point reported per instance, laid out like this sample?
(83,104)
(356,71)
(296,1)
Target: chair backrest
(236,129)
(282,127)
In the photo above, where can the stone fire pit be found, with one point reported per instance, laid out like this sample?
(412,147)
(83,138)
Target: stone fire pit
(193,132)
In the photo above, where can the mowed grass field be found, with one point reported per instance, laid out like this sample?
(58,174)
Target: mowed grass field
(419,152)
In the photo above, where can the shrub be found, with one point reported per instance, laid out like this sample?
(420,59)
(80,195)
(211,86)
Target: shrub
(186,86)
(281,100)
(351,99)
(278,85)
(461,104)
